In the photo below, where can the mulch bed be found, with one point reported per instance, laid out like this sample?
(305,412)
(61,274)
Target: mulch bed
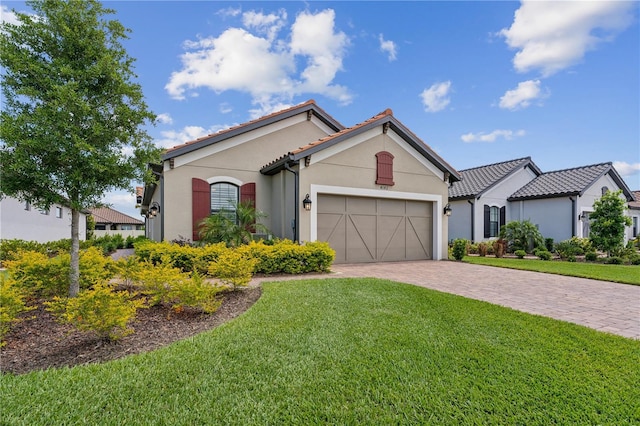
(40,343)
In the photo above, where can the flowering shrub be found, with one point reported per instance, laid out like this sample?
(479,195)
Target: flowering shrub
(101,310)
(12,304)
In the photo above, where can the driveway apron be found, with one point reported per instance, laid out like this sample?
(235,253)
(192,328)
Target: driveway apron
(601,305)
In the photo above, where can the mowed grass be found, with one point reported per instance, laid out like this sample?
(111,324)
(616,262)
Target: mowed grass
(351,351)
(627,274)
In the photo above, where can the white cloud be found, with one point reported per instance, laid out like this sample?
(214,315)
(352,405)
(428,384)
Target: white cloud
(268,25)
(7,15)
(225,108)
(255,60)
(164,118)
(229,11)
(171,138)
(553,35)
(491,137)
(389,47)
(626,169)
(521,96)
(436,97)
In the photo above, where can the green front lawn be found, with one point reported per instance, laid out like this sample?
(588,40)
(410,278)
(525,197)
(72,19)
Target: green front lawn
(352,351)
(628,274)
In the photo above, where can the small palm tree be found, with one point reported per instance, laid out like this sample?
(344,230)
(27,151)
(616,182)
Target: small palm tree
(233,228)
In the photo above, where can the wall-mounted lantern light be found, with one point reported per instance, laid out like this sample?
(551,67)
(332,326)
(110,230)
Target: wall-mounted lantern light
(447,210)
(307,203)
(154,209)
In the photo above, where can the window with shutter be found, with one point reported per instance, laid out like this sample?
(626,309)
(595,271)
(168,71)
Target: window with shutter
(384,168)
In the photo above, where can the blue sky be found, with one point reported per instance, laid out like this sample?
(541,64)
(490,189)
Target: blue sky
(479,82)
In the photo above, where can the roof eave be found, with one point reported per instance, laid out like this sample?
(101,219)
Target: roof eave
(218,137)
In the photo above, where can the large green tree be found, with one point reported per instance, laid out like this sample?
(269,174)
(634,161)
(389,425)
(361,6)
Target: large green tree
(72,120)
(608,222)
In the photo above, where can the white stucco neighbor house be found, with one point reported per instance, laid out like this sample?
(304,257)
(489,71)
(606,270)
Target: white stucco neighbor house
(110,222)
(374,191)
(634,212)
(557,202)
(20,220)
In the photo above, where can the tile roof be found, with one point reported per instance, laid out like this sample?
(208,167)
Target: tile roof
(109,215)
(250,125)
(562,182)
(477,180)
(384,117)
(635,204)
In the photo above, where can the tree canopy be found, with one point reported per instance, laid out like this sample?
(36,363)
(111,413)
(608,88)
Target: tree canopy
(608,222)
(71,126)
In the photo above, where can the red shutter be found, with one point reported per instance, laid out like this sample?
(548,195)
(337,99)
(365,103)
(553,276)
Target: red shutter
(248,194)
(200,203)
(384,169)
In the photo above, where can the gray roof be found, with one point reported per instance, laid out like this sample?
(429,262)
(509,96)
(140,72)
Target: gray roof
(568,182)
(477,180)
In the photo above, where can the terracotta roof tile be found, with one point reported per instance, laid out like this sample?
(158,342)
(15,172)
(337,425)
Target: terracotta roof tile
(109,215)
(636,203)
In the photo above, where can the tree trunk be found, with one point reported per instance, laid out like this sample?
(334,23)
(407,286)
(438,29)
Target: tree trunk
(74,275)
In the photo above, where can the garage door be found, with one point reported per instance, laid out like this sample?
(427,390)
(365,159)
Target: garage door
(363,229)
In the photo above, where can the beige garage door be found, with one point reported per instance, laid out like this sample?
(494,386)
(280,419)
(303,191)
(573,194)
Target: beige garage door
(363,229)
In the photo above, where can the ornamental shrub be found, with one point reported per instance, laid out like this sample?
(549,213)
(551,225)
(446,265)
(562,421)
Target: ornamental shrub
(591,256)
(459,248)
(520,253)
(156,281)
(521,235)
(232,268)
(574,246)
(38,275)
(634,259)
(101,310)
(12,304)
(483,248)
(499,247)
(194,292)
(543,254)
(614,260)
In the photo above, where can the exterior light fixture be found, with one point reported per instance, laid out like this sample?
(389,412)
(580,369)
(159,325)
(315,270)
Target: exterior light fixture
(307,203)
(447,210)
(154,209)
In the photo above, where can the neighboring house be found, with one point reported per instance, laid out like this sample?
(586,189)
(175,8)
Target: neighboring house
(479,200)
(560,202)
(374,191)
(20,220)
(109,222)
(634,213)
(557,202)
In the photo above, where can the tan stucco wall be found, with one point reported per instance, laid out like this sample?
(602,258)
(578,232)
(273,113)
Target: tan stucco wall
(242,162)
(356,167)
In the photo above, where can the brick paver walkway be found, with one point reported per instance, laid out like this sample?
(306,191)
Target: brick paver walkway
(604,306)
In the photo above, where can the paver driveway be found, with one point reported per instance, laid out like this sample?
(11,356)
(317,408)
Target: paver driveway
(604,306)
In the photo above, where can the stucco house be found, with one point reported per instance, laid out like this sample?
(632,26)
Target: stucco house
(634,212)
(374,191)
(109,222)
(479,200)
(23,221)
(557,202)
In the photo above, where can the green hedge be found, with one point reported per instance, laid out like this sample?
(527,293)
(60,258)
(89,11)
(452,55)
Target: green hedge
(281,257)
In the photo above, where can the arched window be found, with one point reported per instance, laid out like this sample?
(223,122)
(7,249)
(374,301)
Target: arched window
(494,219)
(604,190)
(224,197)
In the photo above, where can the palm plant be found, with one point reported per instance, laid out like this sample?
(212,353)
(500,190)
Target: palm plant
(233,228)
